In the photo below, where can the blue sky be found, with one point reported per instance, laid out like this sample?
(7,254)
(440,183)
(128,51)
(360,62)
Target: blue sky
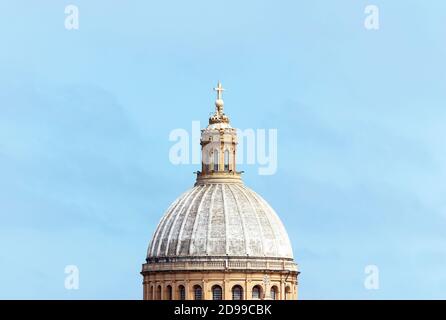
(85,117)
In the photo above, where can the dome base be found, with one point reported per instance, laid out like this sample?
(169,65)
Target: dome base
(220,285)
(219,263)
(218,177)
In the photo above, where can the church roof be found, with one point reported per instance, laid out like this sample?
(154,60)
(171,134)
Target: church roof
(220,219)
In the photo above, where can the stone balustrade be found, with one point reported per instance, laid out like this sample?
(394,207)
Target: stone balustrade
(222,264)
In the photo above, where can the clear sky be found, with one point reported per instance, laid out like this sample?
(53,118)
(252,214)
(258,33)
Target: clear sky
(85,117)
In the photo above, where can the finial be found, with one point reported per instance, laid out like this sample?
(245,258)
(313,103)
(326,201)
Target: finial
(219,115)
(219,90)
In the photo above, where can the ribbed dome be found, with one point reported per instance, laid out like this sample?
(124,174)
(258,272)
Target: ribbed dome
(220,219)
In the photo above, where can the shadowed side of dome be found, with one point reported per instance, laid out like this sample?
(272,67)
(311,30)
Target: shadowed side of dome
(220,220)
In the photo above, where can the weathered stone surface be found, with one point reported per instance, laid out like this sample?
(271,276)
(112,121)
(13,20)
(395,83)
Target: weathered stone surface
(220,219)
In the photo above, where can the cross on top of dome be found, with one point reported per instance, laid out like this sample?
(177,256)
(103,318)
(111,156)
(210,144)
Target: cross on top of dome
(219,90)
(219,116)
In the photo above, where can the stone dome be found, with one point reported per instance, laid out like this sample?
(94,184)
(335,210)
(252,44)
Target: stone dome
(220,220)
(219,240)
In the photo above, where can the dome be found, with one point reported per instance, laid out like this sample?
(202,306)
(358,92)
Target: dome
(220,219)
(219,240)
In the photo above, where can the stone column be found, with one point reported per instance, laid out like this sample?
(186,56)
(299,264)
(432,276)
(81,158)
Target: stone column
(266,282)
(163,289)
(205,294)
(295,291)
(147,291)
(174,290)
(186,290)
(247,294)
(227,290)
(282,288)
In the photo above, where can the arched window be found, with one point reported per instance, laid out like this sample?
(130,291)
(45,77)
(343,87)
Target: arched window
(256,292)
(226,160)
(198,293)
(216,160)
(169,293)
(287,293)
(207,158)
(216,293)
(274,293)
(151,297)
(182,292)
(237,293)
(158,293)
